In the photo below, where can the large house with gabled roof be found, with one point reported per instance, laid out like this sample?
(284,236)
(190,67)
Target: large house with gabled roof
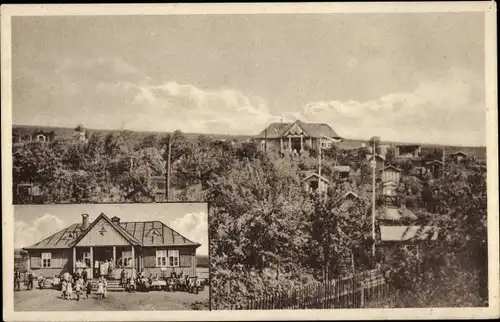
(297,136)
(151,246)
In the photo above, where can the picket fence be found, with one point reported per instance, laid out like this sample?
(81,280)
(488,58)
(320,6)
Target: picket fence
(351,291)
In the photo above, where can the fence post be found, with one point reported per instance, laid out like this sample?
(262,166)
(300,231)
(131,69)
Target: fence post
(362,304)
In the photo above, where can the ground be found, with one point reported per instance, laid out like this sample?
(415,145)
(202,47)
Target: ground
(49,300)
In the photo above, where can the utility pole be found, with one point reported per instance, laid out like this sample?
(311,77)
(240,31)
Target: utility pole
(319,160)
(374,172)
(167,173)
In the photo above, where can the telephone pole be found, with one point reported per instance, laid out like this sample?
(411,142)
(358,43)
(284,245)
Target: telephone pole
(167,172)
(373,162)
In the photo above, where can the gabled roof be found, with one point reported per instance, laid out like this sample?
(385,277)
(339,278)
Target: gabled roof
(392,168)
(349,193)
(314,174)
(277,130)
(459,152)
(379,156)
(433,162)
(144,233)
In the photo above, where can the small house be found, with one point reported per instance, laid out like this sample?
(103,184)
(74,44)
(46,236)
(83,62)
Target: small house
(342,172)
(391,173)
(389,192)
(459,156)
(151,246)
(392,238)
(379,161)
(315,182)
(40,138)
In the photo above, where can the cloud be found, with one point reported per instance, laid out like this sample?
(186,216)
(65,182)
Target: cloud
(27,234)
(450,110)
(193,226)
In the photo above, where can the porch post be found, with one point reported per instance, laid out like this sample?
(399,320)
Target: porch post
(91,262)
(114,256)
(301,143)
(290,143)
(281,144)
(133,257)
(74,258)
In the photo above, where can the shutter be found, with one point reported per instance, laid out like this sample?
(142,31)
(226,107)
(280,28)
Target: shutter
(185,261)
(150,257)
(35,261)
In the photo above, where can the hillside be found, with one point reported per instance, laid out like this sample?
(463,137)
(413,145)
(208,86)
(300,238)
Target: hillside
(65,133)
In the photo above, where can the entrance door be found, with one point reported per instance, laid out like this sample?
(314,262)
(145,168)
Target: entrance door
(296,144)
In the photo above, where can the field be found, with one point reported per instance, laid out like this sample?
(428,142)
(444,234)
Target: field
(49,300)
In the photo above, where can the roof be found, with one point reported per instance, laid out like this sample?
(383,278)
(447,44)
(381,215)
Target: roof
(314,174)
(404,233)
(434,161)
(349,193)
(277,130)
(370,156)
(392,167)
(459,152)
(342,168)
(143,233)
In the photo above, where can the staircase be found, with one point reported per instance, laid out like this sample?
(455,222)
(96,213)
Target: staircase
(113,286)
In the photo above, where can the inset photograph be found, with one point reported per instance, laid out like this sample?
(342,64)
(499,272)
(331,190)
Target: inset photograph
(120,257)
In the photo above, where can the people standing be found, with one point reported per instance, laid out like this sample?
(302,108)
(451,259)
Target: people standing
(96,269)
(63,289)
(30,280)
(89,289)
(69,290)
(105,288)
(100,288)
(78,288)
(17,280)
(84,276)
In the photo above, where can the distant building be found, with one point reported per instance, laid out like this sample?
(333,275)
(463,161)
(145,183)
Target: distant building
(379,160)
(313,182)
(342,172)
(391,173)
(459,156)
(435,167)
(297,136)
(40,138)
(80,136)
(348,199)
(407,151)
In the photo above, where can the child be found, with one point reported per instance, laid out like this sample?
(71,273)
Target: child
(78,288)
(89,288)
(100,288)
(105,288)
(63,289)
(69,290)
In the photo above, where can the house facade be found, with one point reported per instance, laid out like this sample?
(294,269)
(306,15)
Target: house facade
(132,246)
(297,136)
(315,182)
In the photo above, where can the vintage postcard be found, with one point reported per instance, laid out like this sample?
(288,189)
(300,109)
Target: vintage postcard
(250,161)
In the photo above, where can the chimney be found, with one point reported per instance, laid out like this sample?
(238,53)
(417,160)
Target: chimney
(115,220)
(85,221)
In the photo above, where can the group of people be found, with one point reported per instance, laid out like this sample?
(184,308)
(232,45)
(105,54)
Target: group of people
(17,280)
(103,268)
(78,282)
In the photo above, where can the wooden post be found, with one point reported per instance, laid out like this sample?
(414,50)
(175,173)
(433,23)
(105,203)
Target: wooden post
(362,304)
(133,258)
(91,262)
(167,173)
(114,256)
(265,140)
(74,258)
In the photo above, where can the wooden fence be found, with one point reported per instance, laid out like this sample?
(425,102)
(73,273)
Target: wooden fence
(343,293)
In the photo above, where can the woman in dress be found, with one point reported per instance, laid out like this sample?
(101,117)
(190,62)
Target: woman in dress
(63,289)
(69,290)
(78,288)
(89,288)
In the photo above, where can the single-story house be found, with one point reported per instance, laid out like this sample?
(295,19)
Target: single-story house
(347,199)
(435,167)
(151,246)
(379,161)
(391,173)
(296,136)
(315,182)
(459,156)
(342,171)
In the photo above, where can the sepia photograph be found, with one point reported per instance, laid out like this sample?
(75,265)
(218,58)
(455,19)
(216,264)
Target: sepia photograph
(122,257)
(275,159)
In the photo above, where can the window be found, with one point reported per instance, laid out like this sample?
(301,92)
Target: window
(127,258)
(161,258)
(326,144)
(263,144)
(173,258)
(46,257)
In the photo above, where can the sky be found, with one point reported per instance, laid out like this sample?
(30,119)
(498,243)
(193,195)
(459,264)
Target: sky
(34,223)
(416,77)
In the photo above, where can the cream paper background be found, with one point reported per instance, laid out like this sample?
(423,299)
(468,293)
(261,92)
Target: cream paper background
(489,9)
